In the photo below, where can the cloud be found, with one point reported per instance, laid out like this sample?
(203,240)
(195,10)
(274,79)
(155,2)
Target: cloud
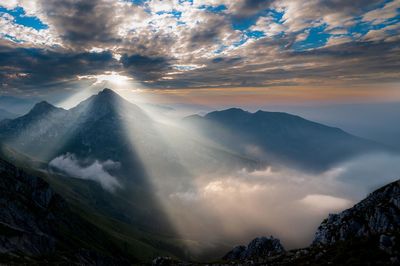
(145,39)
(14,32)
(325,202)
(286,203)
(380,15)
(43,68)
(96,171)
(146,68)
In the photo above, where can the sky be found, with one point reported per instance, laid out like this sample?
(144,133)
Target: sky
(204,51)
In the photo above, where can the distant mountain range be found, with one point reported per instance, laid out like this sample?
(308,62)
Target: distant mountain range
(97,129)
(16,105)
(278,137)
(4,114)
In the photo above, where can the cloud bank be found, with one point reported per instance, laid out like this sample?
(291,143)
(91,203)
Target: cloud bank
(286,203)
(96,171)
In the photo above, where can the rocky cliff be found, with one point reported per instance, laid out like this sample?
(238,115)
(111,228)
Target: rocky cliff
(378,214)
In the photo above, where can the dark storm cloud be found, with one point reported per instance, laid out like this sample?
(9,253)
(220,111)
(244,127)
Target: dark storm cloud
(83,23)
(28,68)
(145,68)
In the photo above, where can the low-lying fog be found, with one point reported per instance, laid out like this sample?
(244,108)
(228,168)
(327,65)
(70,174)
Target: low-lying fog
(285,203)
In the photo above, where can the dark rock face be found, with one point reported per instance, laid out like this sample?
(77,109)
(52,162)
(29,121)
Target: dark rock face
(378,213)
(260,247)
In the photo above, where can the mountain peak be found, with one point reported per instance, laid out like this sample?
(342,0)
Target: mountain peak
(230,113)
(234,110)
(43,106)
(108,97)
(107,91)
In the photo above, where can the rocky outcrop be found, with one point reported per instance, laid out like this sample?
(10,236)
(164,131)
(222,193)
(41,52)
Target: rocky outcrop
(260,247)
(378,214)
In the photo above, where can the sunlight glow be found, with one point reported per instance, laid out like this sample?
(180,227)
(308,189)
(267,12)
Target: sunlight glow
(108,76)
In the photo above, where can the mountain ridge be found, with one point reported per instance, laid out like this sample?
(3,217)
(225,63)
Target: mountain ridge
(279,136)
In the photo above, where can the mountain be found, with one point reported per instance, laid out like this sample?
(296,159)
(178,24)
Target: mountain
(103,127)
(38,226)
(4,114)
(281,137)
(16,105)
(106,136)
(35,131)
(92,131)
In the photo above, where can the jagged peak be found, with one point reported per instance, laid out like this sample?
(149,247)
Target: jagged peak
(107,91)
(43,106)
(104,102)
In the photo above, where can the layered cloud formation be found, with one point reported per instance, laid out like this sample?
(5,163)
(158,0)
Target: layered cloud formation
(199,43)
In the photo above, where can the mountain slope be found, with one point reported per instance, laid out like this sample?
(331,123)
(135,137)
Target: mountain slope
(37,225)
(281,137)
